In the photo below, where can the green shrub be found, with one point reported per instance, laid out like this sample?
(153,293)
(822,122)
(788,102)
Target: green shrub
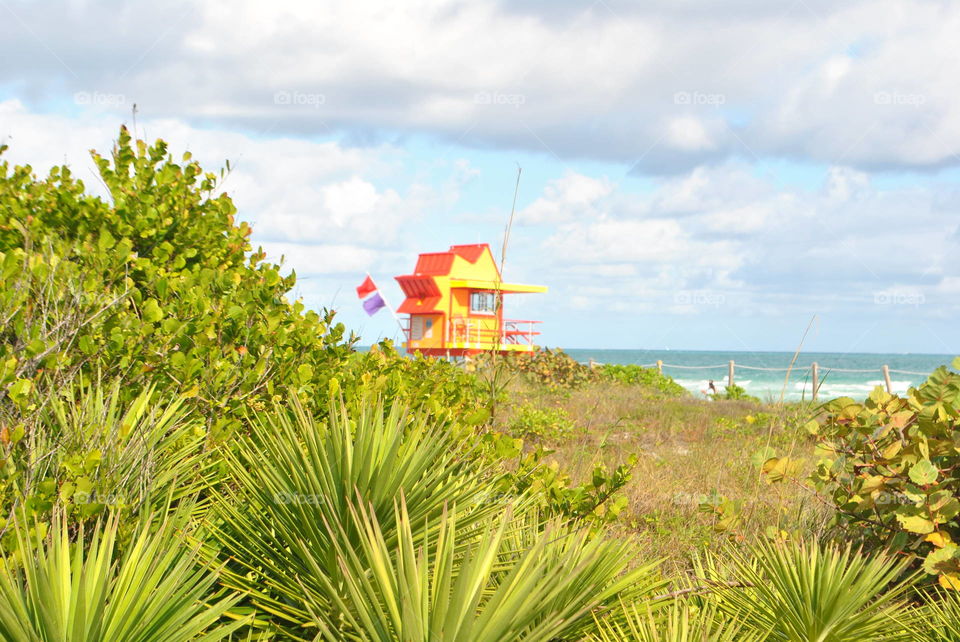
(76,587)
(541,423)
(637,375)
(115,309)
(806,591)
(89,451)
(158,285)
(597,502)
(890,467)
(735,393)
(553,368)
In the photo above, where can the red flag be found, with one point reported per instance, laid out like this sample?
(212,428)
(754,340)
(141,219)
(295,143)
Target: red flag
(366,287)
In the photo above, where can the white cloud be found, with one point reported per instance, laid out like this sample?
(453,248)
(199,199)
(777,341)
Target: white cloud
(321,258)
(861,83)
(693,246)
(567,198)
(844,184)
(689,134)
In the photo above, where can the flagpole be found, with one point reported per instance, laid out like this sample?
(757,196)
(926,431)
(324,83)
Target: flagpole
(403,331)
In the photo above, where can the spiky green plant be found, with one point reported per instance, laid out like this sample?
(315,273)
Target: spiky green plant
(458,585)
(296,478)
(525,532)
(807,592)
(681,622)
(56,589)
(86,450)
(940,617)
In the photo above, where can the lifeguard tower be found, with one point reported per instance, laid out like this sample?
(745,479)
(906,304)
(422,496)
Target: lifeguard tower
(455,303)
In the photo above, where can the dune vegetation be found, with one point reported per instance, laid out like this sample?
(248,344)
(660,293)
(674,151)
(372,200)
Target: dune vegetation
(189,454)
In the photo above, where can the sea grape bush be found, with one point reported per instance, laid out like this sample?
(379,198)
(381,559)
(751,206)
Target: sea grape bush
(638,375)
(891,467)
(557,370)
(156,285)
(541,423)
(735,393)
(553,368)
(596,502)
(156,294)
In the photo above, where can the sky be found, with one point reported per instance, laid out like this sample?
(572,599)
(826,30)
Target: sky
(695,174)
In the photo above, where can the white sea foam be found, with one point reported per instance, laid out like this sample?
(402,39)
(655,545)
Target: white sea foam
(771,390)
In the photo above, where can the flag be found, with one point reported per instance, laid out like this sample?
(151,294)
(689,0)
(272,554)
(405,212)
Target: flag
(366,287)
(373,304)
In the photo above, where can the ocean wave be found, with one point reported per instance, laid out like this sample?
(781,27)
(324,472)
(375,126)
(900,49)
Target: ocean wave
(771,390)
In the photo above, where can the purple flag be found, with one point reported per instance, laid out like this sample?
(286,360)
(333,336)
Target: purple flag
(373,304)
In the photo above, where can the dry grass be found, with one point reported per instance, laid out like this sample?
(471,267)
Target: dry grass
(689,451)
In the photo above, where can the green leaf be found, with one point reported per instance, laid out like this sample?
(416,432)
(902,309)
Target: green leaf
(92,460)
(305,371)
(151,311)
(20,390)
(942,560)
(916,524)
(924,472)
(766,453)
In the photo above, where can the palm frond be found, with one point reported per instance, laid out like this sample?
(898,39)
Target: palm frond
(802,591)
(297,476)
(427,587)
(145,452)
(56,589)
(941,617)
(680,622)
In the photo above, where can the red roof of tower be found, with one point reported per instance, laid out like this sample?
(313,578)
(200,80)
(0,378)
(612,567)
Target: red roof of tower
(434,263)
(471,253)
(420,288)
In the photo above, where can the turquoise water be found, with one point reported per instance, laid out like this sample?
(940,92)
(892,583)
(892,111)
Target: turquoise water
(906,370)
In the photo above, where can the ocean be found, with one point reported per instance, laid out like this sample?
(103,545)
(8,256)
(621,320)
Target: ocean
(693,369)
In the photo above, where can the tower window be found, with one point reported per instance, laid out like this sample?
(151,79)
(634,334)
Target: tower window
(483,303)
